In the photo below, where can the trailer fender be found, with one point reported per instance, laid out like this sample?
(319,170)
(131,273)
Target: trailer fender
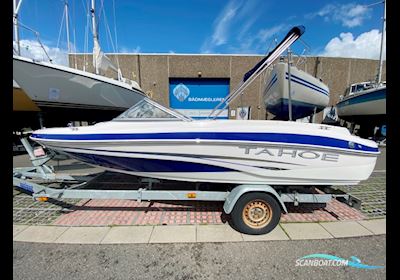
(238,191)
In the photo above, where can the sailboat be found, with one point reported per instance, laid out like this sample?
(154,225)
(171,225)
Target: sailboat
(69,93)
(309,95)
(365,103)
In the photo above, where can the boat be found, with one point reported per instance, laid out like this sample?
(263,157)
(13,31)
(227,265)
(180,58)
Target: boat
(66,94)
(364,103)
(56,86)
(309,95)
(149,140)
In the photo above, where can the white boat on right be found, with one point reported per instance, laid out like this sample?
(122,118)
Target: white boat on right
(364,102)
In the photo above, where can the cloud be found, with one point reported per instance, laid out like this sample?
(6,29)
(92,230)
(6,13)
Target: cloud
(349,15)
(240,16)
(32,49)
(257,42)
(247,16)
(267,33)
(130,50)
(366,45)
(221,25)
(223,22)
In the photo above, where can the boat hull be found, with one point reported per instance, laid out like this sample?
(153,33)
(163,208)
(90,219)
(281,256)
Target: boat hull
(21,102)
(237,152)
(364,107)
(54,86)
(309,94)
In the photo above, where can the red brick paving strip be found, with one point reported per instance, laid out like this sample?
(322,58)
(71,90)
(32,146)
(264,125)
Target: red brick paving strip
(129,212)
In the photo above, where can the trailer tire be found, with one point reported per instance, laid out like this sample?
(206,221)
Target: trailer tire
(256,213)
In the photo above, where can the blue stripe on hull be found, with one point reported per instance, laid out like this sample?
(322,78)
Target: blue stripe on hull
(271,83)
(370,96)
(306,84)
(299,109)
(229,136)
(146,165)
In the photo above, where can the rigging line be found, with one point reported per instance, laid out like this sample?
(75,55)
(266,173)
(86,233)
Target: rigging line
(87,39)
(61,28)
(115,34)
(73,30)
(37,37)
(86,35)
(373,4)
(108,31)
(270,45)
(99,16)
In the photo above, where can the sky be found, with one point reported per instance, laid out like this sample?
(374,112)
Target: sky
(333,28)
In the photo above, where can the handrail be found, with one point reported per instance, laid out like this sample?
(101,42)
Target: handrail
(37,37)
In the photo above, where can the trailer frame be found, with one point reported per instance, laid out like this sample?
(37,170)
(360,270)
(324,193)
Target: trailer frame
(36,180)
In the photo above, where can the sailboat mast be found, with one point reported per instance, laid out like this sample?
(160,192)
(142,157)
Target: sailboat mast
(95,36)
(289,56)
(67,28)
(382,43)
(16,6)
(67,25)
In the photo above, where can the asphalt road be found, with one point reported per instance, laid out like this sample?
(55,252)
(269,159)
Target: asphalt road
(243,260)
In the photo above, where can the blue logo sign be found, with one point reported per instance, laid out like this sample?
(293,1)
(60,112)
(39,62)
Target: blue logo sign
(181,92)
(196,97)
(330,260)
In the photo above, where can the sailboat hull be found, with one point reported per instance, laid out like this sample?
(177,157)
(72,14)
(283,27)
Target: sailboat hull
(54,86)
(309,94)
(21,102)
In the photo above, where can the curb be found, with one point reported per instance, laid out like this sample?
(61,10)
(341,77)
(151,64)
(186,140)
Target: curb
(193,233)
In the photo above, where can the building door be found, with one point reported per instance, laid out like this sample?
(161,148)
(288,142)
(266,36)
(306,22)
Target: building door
(196,97)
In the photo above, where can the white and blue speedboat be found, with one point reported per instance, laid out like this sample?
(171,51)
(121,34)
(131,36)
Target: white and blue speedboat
(309,94)
(149,140)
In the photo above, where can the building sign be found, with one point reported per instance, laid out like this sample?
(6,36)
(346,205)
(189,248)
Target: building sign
(330,115)
(243,113)
(196,98)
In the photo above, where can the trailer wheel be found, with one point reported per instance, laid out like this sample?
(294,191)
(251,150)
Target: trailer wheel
(256,213)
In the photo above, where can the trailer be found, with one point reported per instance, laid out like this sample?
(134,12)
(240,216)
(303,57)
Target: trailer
(254,209)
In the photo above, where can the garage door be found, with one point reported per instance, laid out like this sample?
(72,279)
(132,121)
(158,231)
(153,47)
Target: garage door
(197,97)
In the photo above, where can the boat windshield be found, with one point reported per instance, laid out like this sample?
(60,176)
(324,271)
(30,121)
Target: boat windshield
(360,87)
(147,109)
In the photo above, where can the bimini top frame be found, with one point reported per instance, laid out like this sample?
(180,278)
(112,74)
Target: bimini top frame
(294,34)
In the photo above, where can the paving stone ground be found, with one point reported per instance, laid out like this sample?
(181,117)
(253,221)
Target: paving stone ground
(372,193)
(74,212)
